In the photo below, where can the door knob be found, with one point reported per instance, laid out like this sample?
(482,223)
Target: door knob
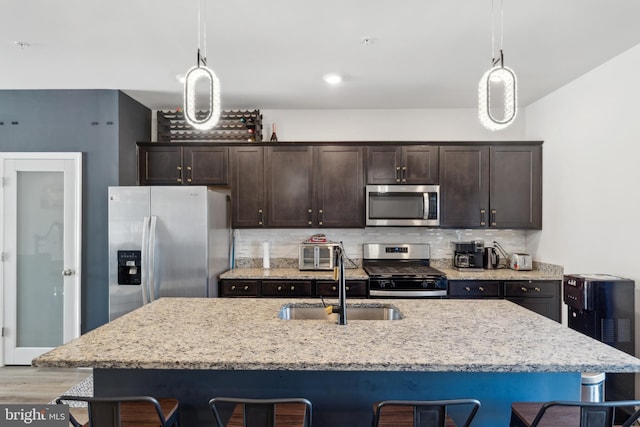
(67,272)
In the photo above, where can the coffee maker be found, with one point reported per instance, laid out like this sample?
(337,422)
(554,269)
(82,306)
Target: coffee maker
(468,255)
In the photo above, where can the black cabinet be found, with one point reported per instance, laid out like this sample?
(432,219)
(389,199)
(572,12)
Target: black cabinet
(171,164)
(474,289)
(286,288)
(239,288)
(491,186)
(329,288)
(408,164)
(541,296)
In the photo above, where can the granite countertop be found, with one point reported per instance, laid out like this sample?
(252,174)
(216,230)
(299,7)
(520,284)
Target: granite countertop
(499,274)
(291,274)
(435,335)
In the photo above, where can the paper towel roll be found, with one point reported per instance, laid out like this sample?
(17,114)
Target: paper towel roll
(265,255)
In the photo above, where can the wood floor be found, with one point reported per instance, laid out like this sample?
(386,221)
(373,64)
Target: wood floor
(24,384)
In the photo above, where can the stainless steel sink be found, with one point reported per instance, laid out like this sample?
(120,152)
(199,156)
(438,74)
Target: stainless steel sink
(354,312)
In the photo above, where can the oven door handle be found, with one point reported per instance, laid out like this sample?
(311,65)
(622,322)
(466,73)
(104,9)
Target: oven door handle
(399,294)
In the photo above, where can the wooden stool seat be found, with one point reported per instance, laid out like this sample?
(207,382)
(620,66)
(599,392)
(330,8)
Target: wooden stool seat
(134,411)
(570,414)
(402,416)
(293,412)
(419,413)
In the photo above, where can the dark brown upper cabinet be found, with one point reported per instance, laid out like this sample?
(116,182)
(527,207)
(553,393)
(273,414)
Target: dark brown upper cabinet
(160,164)
(339,185)
(407,164)
(321,186)
(491,186)
(515,186)
(289,186)
(247,187)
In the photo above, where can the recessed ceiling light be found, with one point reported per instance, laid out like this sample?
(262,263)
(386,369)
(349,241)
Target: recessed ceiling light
(22,45)
(332,78)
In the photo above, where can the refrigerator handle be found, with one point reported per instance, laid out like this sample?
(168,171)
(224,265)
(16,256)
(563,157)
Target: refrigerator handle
(144,261)
(153,289)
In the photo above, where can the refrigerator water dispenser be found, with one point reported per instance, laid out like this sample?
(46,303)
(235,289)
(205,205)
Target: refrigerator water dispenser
(129,272)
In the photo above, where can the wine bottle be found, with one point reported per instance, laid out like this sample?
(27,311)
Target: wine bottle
(274,137)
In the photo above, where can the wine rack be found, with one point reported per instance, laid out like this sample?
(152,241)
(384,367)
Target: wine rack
(233,126)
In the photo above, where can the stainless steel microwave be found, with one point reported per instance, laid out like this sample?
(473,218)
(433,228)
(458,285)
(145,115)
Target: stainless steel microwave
(403,205)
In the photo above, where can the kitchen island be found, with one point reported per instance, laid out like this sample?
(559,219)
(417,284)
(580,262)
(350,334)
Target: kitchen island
(195,349)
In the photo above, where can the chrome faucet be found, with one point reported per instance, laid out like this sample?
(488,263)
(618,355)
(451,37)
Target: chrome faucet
(338,274)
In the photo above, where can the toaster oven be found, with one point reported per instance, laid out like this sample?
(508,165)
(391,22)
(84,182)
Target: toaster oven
(316,256)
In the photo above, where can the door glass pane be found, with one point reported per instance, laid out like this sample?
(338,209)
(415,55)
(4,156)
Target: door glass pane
(40,259)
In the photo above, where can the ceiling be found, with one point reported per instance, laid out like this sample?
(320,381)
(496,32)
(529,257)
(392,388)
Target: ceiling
(272,54)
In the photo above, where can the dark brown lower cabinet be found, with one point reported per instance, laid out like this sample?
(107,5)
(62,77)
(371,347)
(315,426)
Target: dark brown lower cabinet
(540,296)
(474,289)
(290,288)
(239,288)
(329,288)
(286,288)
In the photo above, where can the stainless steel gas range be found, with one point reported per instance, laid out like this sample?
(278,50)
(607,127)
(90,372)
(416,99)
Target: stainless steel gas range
(402,271)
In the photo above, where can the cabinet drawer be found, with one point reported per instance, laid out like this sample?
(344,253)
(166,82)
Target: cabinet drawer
(531,288)
(239,288)
(277,288)
(474,289)
(329,288)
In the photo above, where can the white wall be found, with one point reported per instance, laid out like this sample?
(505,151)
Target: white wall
(591,200)
(385,125)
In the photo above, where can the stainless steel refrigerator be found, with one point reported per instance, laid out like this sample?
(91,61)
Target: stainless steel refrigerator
(168,241)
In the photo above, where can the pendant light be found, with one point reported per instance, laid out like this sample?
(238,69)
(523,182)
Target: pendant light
(200,71)
(498,74)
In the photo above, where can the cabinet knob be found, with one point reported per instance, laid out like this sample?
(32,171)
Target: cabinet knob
(334,288)
(233,287)
(537,289)
(188,168)
(293,288)
(481,289)
(346,288)
(246,287)
(523,289)
(279,288)
(468,289)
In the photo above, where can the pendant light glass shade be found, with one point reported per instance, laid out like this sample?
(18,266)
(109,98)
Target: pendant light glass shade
(507,78)
(190,80)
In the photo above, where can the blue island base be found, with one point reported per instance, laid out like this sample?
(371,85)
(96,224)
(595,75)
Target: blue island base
(339,398)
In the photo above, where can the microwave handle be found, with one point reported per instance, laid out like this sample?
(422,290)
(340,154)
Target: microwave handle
(425,209)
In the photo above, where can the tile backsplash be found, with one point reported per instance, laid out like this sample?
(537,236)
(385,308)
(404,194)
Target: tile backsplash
(283,243)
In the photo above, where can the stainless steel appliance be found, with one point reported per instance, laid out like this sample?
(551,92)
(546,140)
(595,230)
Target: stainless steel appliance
(316,256)
(165,241)
(602,306)
(468,255)
(491,258)
(402,271)
(403,205)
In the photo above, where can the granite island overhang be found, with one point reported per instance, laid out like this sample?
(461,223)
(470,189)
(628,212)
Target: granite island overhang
(195,349)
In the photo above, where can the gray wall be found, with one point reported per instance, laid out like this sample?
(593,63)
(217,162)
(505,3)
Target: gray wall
(102,124)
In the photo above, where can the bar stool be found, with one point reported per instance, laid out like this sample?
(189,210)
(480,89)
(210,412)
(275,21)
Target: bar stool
(570,414)
(138,411)
(281,412)
(421,413)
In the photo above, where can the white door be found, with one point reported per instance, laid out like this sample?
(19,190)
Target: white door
(41,247)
